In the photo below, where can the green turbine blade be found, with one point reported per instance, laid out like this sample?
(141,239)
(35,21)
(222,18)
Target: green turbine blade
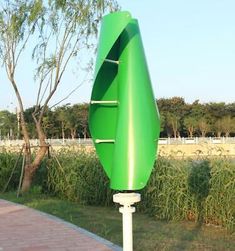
(123,118)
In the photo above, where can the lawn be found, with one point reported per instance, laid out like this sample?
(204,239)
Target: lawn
(149,234)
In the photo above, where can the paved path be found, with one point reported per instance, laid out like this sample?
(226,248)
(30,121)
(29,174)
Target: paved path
(25,229)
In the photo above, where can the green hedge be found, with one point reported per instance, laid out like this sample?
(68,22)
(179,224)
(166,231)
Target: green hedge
(198,190)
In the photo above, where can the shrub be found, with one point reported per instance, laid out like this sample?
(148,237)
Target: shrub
(185,189)
(79,177)
(166,194)
(199,185)
(9,168)
(220,203)
(177,189)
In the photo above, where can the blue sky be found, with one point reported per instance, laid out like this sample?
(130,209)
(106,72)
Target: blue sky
(190,49)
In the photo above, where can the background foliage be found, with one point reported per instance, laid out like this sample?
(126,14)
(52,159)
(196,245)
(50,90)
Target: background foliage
(185,189)
(178,118)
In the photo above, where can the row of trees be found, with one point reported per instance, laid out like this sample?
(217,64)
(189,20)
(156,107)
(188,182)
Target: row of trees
(62,122)
(178,118)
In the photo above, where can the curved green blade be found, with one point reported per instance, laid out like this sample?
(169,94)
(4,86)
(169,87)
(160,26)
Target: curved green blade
(123,118)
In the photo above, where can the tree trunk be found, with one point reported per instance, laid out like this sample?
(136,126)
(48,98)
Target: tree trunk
(27,149)
(32,166)
(190,131)
(28,178)
(73,133)
(203,134)
(62,130)
(84,133)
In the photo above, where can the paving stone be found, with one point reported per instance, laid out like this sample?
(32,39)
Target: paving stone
(25,229)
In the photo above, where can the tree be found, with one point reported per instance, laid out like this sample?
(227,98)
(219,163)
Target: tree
(82,115)
(203,126)
(233,125)
(173,122)
(163,123)
(198,110)
(190,122)
(218,126)
(227,125)
(30,122)
(174,105)
(71,121)
(60,114)
(230,108)
(216,110)
(61,28)
(172,110)
(8,125)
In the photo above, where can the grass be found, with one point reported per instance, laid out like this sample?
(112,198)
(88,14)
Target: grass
(178,189)
(149,233)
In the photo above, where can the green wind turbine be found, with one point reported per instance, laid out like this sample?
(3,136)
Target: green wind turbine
(124,120)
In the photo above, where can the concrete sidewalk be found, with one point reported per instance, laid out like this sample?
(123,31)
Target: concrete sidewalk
(25,229)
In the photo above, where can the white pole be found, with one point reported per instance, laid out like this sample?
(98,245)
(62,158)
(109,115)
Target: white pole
(127,227)
(126,200)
